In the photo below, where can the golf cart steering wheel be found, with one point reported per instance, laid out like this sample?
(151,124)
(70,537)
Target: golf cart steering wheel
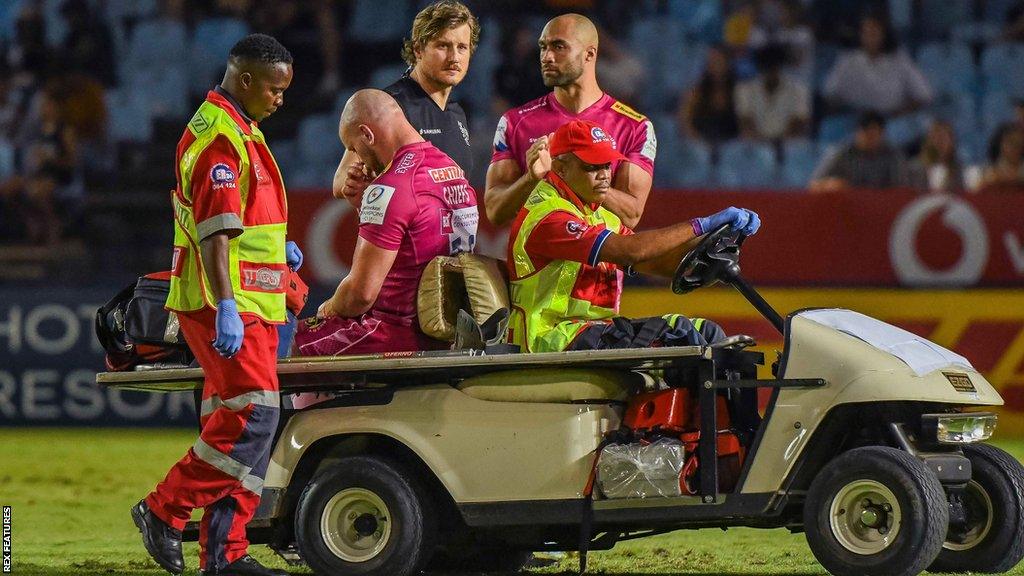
(714,258)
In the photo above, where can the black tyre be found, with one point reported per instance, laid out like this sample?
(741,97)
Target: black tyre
(365,516)
(875,511)
(991,540)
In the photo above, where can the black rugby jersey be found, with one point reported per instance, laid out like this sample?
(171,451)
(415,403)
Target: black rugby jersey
(447,129)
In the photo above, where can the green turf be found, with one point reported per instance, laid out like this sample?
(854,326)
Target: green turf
(71,490)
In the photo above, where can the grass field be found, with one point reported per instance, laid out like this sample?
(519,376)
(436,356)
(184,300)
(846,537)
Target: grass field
(71,490)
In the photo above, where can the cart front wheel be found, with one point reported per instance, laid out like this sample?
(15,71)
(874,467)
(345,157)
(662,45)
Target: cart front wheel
(989,538)
(875,511)
(365,516)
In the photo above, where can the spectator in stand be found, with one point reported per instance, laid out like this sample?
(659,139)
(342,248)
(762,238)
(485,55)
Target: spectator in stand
(937,168)
(772,106)
(867,162)
(877,77)
(789,30)
(49,192)
(708,112)
(1013,29)
(88,46)
(1006,158)
(311,31)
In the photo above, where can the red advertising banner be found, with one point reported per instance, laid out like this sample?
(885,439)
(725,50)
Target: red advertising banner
(862,238)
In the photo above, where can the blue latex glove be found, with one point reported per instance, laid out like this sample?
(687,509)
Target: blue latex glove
(746,221)
(292,255)
(230,329)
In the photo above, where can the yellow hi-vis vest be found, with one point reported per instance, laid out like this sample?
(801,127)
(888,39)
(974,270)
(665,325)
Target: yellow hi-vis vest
(256,257)
(545,316)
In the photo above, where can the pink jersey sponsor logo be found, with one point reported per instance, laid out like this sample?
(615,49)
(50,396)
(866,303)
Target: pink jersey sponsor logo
(447,174)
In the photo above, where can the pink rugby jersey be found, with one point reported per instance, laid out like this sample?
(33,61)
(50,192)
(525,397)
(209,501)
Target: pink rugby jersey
(520,127)
(423,207)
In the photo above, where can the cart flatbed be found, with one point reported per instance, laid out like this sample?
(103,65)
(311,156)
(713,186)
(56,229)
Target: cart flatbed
(378,370)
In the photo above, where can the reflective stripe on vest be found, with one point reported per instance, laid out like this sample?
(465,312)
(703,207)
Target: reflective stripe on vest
(256,257)
(545,317)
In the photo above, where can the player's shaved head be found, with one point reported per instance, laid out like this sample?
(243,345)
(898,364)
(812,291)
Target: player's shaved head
(568,51)
(575,26)
(373,126)
(371,107)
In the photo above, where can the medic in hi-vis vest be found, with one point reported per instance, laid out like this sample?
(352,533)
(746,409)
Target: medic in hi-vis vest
(566,254)
(230,268)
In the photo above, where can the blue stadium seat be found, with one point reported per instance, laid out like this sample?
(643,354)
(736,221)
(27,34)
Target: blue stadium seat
(746,165)
(211,42)
(386,75)
(672,63)
(1002,66)
(318,143)
(701,19)
(959,110)
(995,10)
(938,17)
(116,11)
(949,67)
(996,108)
(799,159)
(154,44)
(165,90)
(9,12)
(379,20)
(836,128)
(906,129)
(7,166)
(130,116)
(341,99)
(681,163)
(901,14)
(975,32)
(824,59)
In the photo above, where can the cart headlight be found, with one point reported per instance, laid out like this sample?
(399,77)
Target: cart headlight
(958,428)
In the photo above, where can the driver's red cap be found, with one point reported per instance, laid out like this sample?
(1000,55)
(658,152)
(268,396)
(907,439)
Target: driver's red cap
(588,141)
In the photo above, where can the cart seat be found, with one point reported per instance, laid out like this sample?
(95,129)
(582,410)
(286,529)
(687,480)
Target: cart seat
(470,282)
(555,385)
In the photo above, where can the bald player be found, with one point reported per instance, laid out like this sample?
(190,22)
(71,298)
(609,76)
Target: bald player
(421,206)
(568,58)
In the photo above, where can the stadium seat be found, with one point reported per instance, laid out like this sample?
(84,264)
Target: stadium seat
(165,90)
(7,165)
(994,11)
(901,14)
(996,108)
(386,75)
(746,165)
(117,11)
(318,143)
(975,32)
(937,17)
(836,128)
(673,64)
(906,129)
(959,110)
(799,159)
(154,44)
(130,116)
(701,19)
(211,42)
(9,11)
(949,67)
(681,163)
(379,20)
(824,59)
(1002,66)
(342,98)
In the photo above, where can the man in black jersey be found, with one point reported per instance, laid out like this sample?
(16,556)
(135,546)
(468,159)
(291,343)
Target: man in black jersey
(443,38)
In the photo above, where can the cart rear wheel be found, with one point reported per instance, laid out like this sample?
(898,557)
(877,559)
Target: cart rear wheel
(875,511)
(990,539)
(364,516)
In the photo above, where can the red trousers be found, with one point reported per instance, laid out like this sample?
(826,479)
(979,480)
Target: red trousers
(223,472)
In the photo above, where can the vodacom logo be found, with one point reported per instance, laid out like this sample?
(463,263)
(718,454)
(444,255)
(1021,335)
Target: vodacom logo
(960,218)
(328,268)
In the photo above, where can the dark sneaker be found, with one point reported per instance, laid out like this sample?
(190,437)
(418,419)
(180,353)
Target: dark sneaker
(245,566)
(162,541)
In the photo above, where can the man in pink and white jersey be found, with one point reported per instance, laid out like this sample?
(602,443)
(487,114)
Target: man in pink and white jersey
(568,58)
(420,207)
